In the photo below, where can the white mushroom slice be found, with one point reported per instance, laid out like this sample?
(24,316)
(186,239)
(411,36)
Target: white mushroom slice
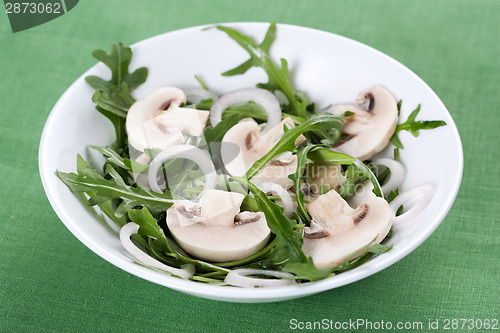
(343,231)
(189,213)
(157,121)
(368,131)
(278,170)
(328,175)
(222,233)
(246,135)
(362,192)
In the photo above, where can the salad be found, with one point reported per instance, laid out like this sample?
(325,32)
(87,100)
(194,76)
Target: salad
(254,187)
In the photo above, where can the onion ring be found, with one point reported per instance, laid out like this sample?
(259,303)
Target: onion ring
(131,228)
(189,152)
(423,191)
(396,177)
(239,278)
(263,97)
(281,192)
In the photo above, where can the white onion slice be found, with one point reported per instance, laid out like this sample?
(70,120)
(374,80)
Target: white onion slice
(189,152)
(421,192)
(131,228)
(260,96)
(239,278)
(396,177)
(284,195)
(200,93)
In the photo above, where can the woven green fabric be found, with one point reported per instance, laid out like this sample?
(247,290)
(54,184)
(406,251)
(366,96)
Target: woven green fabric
(50,282)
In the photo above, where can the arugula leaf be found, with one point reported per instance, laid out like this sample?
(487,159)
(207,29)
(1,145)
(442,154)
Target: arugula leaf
(113,97)
(357,170)
(326,125)
(323,189)
(280,225)
(354,176)
(108,209)
(101,190)
(200,81)
(307,271)
(413,126)
(327,156)
(118,61)
(124,163)
(302,162)
(259,57)
(158,244)
(117,101)
(149,228)
(215,134)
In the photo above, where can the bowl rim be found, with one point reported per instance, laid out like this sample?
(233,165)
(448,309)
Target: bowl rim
(228,293)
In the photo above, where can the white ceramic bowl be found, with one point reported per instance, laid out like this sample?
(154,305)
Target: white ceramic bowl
(327,67)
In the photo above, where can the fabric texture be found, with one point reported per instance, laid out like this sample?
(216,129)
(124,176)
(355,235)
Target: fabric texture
(50,282)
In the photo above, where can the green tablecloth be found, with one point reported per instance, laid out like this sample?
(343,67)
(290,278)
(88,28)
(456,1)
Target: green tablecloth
(49,281)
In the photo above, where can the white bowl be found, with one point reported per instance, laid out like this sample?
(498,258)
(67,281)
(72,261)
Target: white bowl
(327,67)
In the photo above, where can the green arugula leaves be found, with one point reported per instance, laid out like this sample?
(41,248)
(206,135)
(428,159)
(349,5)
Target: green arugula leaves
(302,162)
(117,195)
(259,57)
(326,125)
(118,61)
(113,97)
(356,173)
(289,242)
(413,126)
(101,190)
(280,225)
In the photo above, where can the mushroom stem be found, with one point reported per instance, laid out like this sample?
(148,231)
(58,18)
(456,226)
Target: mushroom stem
(131,228)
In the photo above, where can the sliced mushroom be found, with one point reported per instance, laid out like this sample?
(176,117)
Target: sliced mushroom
(362,192)
(342,231)
(367,132)
(215,230)
(251,145)
(278,170)
(157,120)
(328,175)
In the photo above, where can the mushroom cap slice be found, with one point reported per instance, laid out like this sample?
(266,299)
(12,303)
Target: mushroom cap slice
(363,192)
(329,175)
(246,135)
(340,231)
(278,170)
(157,120)
(219,232)
(368,131)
